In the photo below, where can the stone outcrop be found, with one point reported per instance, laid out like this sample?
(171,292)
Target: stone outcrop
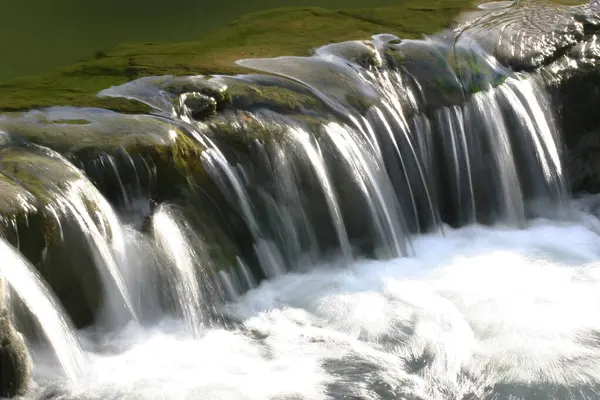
(15,363)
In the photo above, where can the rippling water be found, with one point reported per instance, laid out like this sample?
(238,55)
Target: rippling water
(484,312)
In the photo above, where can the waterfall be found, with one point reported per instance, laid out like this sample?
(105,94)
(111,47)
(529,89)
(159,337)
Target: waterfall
(379,141)
(24,282)
(364,150)
(104,234)
(184,265)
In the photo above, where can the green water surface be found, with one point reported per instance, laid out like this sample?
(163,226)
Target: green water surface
(39,35)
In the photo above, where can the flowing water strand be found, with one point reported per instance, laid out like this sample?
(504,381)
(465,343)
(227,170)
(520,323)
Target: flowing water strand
(25,282)
(231,184)
(405,142)
(369,176)
(182,273)
(316,160)
(530,104)
(457,154)
(104,234)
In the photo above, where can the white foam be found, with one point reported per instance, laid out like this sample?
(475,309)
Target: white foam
(478,308)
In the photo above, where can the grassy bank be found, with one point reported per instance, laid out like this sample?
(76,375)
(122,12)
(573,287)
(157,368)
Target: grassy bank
(288,31)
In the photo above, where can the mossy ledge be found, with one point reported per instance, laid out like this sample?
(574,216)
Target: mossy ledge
(285,31)
(276,32)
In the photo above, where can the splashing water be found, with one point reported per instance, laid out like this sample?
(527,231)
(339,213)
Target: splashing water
(486,312)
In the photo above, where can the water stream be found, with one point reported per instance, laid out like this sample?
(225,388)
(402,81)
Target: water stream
(404,234)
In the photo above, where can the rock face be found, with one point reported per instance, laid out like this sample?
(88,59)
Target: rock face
(15,363)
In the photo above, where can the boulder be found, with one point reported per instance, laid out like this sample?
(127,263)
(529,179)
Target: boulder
(15,362)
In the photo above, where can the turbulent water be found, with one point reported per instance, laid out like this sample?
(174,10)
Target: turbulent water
(392,223)
(484,312)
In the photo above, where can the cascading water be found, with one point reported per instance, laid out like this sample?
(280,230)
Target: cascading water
(24,282)
(396,202)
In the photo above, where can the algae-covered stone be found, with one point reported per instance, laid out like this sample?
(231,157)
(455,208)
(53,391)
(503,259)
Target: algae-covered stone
(116,150)
(361,53)
(15,363)
(15,200)
(336,83)
(45,201)
(51,235)
(447,69)
(70,130)
(198,105)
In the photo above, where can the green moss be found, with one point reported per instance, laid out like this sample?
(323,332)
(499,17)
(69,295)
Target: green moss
(291,31)
(15,200)
(184,158)
(244,95)
(40,174)
(101,131)
(70,121)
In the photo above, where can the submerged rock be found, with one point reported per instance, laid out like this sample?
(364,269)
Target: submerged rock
(15,363)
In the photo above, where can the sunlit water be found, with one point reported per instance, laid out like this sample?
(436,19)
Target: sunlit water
(484,312)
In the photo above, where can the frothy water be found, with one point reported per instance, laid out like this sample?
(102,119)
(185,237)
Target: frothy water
(486,312)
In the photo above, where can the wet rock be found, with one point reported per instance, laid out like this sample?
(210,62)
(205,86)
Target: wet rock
(198,105)
(15,363)
(574,82)
(124,155)
(277,94)
(362,53)
(48,232)
(338,79)
(531,34)
(448,71)
(561,45)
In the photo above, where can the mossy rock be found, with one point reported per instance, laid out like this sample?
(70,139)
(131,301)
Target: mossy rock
(15,362)
(48,229)
(337,84)
(35,181)
(47,234)
(15,200)
(448,72)
(70,130)
(169,154)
